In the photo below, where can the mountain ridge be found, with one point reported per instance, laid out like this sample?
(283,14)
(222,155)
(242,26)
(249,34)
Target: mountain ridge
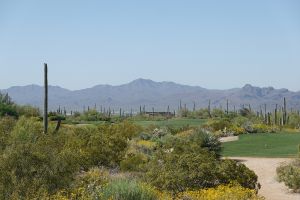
(151,94)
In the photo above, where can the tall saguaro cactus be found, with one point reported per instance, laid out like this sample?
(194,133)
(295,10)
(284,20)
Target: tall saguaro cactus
(45,98)
(209,109)
(276,118)
(284,112)
(227,107)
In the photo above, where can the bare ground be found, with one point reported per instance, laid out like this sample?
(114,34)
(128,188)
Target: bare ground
(265,169)
(229,139)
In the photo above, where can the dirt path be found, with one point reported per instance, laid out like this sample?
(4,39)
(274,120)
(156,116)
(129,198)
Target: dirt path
(229,139)
(265,168)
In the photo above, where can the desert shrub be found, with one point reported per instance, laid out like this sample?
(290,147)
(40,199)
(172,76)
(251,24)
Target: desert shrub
(6,126)
(225,192)
(28,111)
(105,145)
(248,126)
(179,172)
(174,130)
(8,110)
(290,175)
(145,136)
(218,124)
(294,120)
(85,186)
(206,140)
(94,115)
(53,116)
(260,128)
(133,162)
(185,134)
(217,113)
(245,112)
(236,130)
(160,132)
(232,171)
(192,163)
(34,163)
(145,146)
(240,121)
(201,114)
(263,128)
(122,189)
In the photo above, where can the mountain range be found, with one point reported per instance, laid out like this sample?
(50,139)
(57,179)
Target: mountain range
(159,95)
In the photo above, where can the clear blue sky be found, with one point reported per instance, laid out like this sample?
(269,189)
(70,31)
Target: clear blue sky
(213,44)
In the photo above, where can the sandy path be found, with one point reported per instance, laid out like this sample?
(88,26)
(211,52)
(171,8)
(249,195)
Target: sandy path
(229,139)
(265,169)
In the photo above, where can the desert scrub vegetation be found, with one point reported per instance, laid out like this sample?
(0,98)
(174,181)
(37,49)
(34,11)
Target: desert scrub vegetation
(192,163)
(289,174)
(224,192)
(82,162)
(33,163)
(115,160)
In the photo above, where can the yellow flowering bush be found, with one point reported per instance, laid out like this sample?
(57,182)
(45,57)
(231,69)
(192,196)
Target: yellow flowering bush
(146,144)
(223,192)
(186,133)
(236,130)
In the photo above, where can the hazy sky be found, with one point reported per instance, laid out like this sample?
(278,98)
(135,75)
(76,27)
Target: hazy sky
(213,44)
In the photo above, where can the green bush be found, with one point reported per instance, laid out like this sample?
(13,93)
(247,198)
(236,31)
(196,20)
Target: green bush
(206,140)
(232,171)
(218,124)
(53,116)
(133,163)
(8,110)
(236,130)
(34,163)
(290,175)
(192,163)
(28,111)
(122,189)
(145,136)
(7,124)
(178,172)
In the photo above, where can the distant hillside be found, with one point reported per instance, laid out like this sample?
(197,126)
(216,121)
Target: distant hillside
(152,94)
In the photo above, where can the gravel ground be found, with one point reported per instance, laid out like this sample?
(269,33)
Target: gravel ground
(265,169)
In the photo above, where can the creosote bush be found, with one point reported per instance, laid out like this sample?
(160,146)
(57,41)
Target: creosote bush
(193,164)
(289,173)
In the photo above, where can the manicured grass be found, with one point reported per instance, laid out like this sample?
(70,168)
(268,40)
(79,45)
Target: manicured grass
(176,123)
(264,145)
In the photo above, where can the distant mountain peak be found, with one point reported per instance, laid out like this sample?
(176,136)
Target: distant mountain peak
(247,86)
(141,81)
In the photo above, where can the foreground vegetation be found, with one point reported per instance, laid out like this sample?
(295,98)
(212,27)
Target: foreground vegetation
(136,157)
(289,174)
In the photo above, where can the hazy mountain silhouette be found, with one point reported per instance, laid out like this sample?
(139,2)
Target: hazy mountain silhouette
(152,94)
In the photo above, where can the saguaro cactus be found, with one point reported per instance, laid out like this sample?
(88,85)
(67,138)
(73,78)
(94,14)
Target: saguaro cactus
(209,110)
(266,117)
(227,107)
(284,112)
(276,119)
(180,105)
(45,98)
